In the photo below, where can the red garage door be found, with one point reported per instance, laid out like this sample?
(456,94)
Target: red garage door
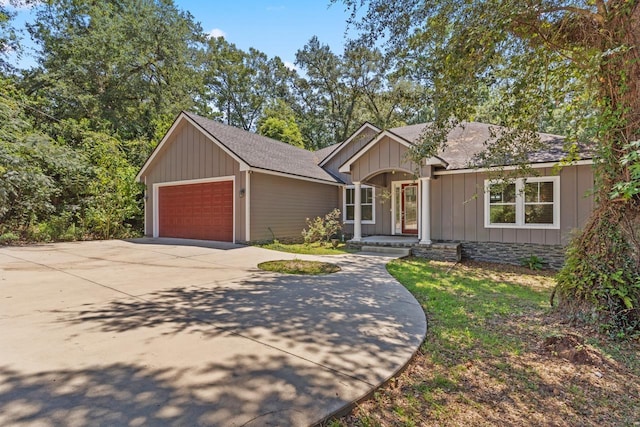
(197,211)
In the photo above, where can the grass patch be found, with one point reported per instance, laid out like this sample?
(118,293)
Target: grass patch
(309,249)
(484,361)
(296,266)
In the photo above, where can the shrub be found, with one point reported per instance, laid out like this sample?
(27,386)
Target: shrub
(533,262)
(321,229)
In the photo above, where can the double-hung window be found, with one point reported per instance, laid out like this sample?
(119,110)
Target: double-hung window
(367,196)
(523,203)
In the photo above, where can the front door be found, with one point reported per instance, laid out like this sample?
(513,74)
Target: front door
(409,201)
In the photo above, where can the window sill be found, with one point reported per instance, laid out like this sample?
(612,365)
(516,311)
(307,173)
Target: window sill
(524,227)
(361,222)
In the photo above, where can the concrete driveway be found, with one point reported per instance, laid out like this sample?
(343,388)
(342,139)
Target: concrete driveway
(166,332)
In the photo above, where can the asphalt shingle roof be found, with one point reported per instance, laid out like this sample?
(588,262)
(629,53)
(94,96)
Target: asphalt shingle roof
(466,141)
(265,153)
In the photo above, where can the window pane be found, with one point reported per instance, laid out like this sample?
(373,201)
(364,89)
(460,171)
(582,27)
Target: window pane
(505,214)
(367,195)
(546,191)
(509,193)
(538,214)
(349,196)
(367,213)
(349,213)
(531,192)
(500,193)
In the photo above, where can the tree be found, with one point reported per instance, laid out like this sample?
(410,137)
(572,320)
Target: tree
(240,84)
(574,53)
(340,92)
(279,122)
(127,66)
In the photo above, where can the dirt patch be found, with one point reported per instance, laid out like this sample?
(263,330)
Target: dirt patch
(573,348)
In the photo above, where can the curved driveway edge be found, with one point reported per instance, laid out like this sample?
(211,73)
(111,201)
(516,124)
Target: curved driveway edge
(167,332)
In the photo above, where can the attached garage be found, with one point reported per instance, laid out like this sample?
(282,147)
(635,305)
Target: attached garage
(196,209)
(209,181)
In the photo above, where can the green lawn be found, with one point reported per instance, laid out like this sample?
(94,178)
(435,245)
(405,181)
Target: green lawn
(296,266)
(485,360)
(308,249)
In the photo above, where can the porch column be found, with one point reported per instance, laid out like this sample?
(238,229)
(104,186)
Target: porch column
(425,211)
(357,212)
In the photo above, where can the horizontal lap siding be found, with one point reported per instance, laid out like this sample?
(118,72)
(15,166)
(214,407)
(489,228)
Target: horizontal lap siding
(283,204)
(457,208)
(188,154)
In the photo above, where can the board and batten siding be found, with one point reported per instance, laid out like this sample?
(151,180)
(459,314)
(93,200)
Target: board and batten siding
(280,205)
(346,152)
(385,155)
(457,208)
(189,155)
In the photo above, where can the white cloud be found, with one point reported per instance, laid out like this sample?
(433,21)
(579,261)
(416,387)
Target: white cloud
(290,65)
(216,32)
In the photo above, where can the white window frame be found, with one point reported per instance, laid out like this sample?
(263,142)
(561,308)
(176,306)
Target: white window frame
(520,204)
(373,205)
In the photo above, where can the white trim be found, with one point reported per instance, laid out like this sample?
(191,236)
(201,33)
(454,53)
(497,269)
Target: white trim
(247,206)
(287,175)
(347,141)
(510,168)
(182,116)
(146,199)
(520,204)
(156,187)
(344,204)
(425,211)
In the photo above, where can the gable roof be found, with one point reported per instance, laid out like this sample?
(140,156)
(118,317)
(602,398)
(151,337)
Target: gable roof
(254,151)
(339,146)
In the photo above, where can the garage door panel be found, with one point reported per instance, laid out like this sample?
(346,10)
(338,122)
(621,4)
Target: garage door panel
(197,211)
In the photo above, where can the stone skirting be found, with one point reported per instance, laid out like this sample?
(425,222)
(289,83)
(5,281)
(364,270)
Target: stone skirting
(437,251)
(514,253)
(505,253)
(451,252)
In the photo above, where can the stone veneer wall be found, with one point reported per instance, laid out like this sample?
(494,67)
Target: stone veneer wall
(513,253)
(438,251)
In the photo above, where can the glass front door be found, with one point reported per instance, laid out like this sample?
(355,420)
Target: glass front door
(409,204)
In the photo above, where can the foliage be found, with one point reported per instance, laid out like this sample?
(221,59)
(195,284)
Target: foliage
(534,62)
(533,262)
(321,229)
(240,84)
(123,65)
(78,185)
(600,275)
(340,92)
(297,266)
(278,122)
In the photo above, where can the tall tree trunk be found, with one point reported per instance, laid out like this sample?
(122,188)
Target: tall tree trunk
(603,262)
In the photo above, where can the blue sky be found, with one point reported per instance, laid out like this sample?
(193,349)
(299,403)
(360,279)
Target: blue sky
(277,28)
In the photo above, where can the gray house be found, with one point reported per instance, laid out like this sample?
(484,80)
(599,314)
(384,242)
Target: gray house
(207,180)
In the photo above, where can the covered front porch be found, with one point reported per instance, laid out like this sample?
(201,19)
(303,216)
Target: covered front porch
(400,202)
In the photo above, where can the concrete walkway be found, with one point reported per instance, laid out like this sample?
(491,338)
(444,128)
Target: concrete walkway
(179,333)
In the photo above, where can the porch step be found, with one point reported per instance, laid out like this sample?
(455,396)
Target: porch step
(400,252)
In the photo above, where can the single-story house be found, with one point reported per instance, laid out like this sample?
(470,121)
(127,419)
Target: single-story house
(207,180)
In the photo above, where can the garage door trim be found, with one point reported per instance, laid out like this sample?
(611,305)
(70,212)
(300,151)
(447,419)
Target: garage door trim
(156,191)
